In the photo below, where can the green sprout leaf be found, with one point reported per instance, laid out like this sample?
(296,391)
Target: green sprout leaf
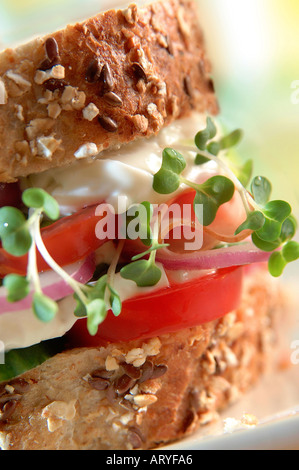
(167,180)
(14,232)
(276,264)
(17,243)
(17,287)
(288,229)
(290,251)
(275,212)
(145,217)
(261,189)
(205,135)
(255,220)
(93,292)
(145,223)
(265,245)
(214,148)
(96,314)
(80,308)
(44,308)
(115,302)
(201,159)
(231,140)
(211,195)
(37,198)
(244,173)
(11,219)
(143,272)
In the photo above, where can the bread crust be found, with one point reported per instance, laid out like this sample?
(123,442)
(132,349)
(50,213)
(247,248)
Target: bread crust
(96,398)
(118,76)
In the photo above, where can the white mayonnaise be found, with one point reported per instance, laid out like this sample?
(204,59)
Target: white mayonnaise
(22,329)
(126,172)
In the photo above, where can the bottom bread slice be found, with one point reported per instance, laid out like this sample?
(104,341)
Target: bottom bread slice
(144,394)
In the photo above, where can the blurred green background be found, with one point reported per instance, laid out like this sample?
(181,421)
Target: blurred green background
(254,49)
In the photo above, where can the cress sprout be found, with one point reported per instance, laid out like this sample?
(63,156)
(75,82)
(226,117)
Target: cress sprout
(271,223)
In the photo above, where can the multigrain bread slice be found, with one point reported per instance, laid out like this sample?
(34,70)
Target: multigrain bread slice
(145,394)
(118,76)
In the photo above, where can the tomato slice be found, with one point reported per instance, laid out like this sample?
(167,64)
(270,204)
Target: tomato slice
(228,218)
(68,240)
(167,310)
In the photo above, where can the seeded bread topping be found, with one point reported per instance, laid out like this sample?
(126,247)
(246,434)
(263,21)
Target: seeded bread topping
(111,84)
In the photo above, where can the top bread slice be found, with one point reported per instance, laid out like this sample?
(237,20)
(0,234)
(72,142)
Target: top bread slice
(120,75)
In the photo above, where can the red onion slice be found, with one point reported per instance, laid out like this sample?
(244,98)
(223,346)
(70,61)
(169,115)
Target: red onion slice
(237,255)
(52,285)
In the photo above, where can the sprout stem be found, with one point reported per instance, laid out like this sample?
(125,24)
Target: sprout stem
(246,198)
(53,265)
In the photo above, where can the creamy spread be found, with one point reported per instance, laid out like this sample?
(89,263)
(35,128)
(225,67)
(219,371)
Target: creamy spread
(22,329)
(127,172)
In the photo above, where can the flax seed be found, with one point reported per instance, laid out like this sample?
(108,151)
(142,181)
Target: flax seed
(52,49)
(93,71)
(159,371)
(123,384)
(108,124)
(106,79)
(113,99)
(7,410)
(139,72)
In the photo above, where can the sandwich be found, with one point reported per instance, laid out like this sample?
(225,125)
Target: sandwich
(139,256)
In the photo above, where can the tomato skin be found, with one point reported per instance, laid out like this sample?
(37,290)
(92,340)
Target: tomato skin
(68,240)
(167,310)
